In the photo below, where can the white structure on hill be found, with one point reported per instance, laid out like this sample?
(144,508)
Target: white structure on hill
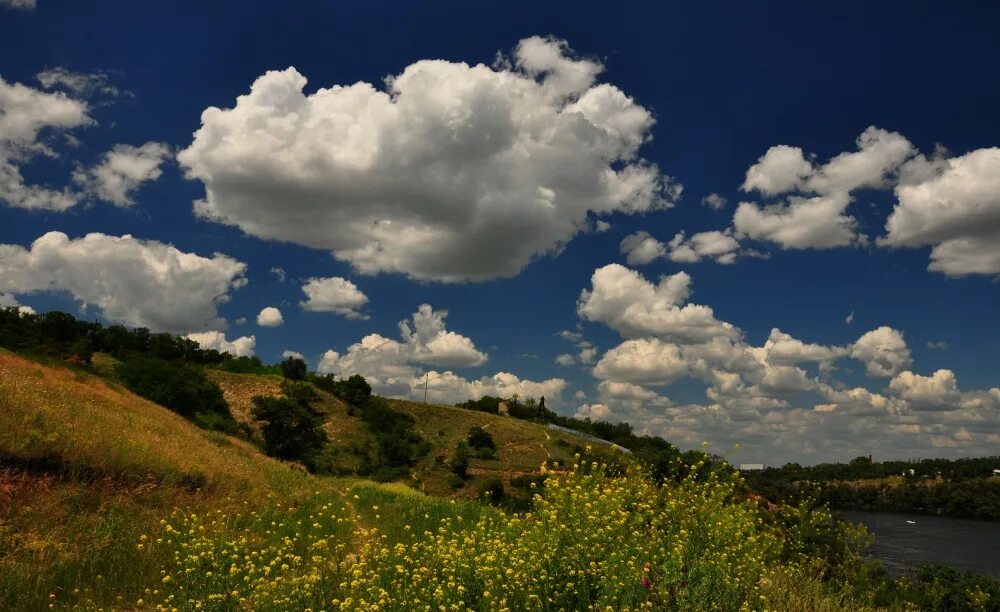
(751,467)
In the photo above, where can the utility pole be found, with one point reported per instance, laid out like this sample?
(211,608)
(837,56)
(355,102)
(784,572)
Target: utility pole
(426,376)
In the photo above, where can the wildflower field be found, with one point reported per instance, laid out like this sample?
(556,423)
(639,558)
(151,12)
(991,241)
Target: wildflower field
(109,502)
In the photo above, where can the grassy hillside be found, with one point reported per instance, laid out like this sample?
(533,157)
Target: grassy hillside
(108,501)
(522,446)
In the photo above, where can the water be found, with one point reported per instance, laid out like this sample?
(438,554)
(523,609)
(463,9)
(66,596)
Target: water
(961,543)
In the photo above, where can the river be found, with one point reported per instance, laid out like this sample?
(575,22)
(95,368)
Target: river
(904,540)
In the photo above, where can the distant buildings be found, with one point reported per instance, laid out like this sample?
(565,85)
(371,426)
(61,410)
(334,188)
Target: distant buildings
(751,467)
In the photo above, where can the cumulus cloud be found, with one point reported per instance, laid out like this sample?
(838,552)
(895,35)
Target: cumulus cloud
(239,347)
(424,340)
(626,302)
(122,170)
(954,206)
(270,317)
(453,173)
(783,349)
(594,412)
(938,391)
(815,215)
(640,248)
(293,354)
(601,226)
(449,388)
(883,351)
(142,283)
(719,246)
(279,273)
(335,294)
(27,117)
(432,344)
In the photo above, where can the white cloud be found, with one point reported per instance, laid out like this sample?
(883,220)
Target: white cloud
(240,321)
(815,217)
(138,282)
(454,173)
(390,363)
(714,201)
(122,170)
(781,169)
(938,391)
(295,354)
(79,83)
(850,318)
(641,248)
(449,388)
(594,412)
(434,345)
(565,360)
(239,347)
(270,317)
(626,302)
(883,351)
(643,361)
(601,226)
(783,349)
(720,246)
(939,345)
(27,116)
(953,206)
(279,273)
(335,294)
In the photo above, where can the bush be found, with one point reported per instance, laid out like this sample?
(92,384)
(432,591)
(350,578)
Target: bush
(183,388)
(293,368)
(492,491)
(459,464)
(480,438)
(292,429)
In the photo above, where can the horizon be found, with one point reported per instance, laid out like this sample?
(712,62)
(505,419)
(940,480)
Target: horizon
(773,229)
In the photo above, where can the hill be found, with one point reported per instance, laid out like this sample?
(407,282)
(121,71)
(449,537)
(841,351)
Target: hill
(109,501)
(522,446)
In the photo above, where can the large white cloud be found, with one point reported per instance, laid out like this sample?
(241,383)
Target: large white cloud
(239,347)
(956,209)
(454,172)
(137,282)
(334,294)
(815,214)
(883,351)
(938,391)
(122,170)
(625,301)
(783,349)
(434,345)
(449,388)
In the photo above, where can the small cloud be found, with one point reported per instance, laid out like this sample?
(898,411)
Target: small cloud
(270,317)
(601,226)
(279,272)
(528,355)
(26,5)
(850,318)
(940,345)
(294,354)
(714,201)
(241,321)
(565,359)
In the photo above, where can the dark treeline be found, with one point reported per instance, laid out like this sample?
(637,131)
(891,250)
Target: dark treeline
(60,335)
(954,487)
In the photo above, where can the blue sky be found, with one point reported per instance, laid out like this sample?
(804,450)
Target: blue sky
(507,187)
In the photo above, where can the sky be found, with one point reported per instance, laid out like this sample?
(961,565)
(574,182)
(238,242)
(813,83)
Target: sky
(767,228)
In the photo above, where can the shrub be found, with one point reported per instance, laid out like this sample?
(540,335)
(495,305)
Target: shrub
(293,368)
(459,464)
(492,491)
(292,429)
(480,438)
(183,388)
